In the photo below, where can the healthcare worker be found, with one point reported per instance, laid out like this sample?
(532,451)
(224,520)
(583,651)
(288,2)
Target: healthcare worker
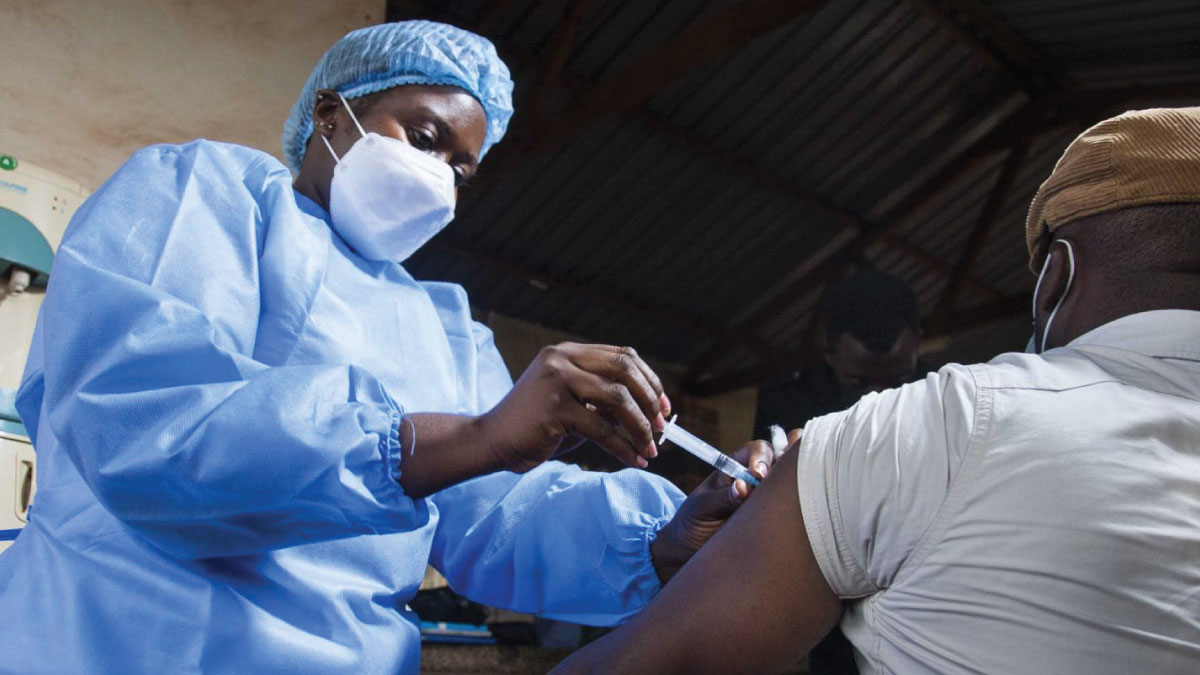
(255,429)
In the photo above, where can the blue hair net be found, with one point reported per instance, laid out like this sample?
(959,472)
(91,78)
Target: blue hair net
(407,52)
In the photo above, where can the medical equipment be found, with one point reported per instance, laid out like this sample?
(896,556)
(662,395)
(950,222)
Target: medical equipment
(710,455)
(35,205)
(17,483)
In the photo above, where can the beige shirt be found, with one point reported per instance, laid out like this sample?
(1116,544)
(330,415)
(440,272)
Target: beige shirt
(1036,514)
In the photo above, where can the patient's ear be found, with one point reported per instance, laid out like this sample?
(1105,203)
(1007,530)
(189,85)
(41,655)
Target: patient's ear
(1055,283)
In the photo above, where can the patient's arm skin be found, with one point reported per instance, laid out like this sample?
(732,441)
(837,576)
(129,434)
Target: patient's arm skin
(752,600)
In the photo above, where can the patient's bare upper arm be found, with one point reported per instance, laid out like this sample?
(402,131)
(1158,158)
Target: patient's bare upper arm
(753,600)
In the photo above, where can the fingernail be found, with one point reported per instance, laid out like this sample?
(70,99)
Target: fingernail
(653,451)
(664,403)
(733,492)
(642,463)
(762,469)
(659,422)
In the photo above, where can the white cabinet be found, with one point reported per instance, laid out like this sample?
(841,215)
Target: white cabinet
(18,483)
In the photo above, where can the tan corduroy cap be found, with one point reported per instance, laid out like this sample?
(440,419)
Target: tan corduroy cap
(1140,157)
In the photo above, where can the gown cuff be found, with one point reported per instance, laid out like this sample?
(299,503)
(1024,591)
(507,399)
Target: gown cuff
(646,574)
(391,444)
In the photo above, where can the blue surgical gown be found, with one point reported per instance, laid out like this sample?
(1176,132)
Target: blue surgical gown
(214,392)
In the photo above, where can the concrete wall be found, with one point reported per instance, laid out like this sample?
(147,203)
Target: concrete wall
(86,83)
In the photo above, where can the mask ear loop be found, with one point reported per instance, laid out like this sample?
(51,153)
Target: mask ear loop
(1070,278)
(1038,287)
(330,147)
(351,113)
(352,118)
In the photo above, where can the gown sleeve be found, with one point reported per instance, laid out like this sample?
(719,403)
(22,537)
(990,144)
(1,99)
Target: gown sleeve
(557,541)
(149,381)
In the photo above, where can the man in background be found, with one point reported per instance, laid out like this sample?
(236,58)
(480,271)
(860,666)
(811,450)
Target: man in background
(872,328)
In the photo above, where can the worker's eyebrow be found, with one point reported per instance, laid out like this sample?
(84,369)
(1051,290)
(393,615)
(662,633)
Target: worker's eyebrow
(446,135)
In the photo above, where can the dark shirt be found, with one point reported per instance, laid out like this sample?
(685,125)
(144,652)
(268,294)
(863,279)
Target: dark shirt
(792,401)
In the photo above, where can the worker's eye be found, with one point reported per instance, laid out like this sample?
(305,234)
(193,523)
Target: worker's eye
(461,177)
(421,139)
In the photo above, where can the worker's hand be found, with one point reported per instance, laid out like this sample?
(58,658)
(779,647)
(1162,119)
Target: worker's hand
(575,391)
(707,509)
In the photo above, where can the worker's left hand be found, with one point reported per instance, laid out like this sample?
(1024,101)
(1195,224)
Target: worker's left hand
(706,510)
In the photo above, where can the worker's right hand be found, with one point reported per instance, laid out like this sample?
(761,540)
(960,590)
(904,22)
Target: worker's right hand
(604,393)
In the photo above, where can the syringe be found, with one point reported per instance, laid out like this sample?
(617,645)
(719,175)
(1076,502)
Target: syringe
(710,455)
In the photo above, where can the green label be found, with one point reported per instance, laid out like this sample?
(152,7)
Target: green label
(8,162)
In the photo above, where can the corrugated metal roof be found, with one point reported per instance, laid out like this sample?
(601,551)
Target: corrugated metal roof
(855,105)
(1110,42)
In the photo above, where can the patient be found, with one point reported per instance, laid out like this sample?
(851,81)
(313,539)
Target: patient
(1036,514)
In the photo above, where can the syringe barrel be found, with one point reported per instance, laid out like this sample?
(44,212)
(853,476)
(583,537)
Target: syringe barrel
(689,441)
(729,466)
(712,456)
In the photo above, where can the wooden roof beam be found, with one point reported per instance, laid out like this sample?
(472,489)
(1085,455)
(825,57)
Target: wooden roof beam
(986,36)
(560,50)
(793,189)
(1014,48)
(979,233)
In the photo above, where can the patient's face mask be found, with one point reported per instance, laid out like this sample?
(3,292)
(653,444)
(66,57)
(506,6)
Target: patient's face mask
(387,198)
(1035,347)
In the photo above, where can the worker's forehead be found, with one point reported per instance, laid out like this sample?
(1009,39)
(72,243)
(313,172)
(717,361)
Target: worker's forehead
(447,100)
(458,110)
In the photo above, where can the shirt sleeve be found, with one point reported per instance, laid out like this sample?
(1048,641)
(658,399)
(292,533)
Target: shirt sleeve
(150,385)
(557,541)
(872,478)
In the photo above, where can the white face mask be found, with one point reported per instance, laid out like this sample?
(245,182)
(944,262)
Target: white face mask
(1034,346)
(387,198)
